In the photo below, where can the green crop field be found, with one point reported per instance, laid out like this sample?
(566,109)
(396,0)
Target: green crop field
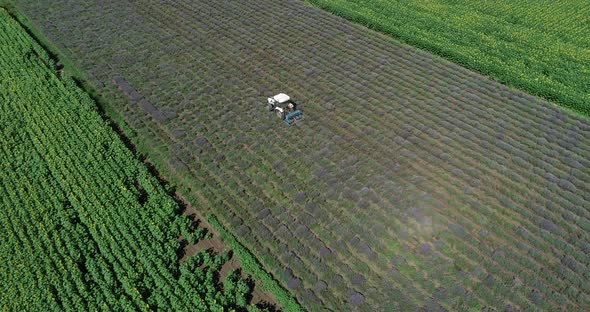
(85,226)
(413,183)
(539,46)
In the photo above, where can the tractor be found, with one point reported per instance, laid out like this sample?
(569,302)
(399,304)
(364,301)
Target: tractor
(284,108)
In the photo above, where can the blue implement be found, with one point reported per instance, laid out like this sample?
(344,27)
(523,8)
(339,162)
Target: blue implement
(291,118)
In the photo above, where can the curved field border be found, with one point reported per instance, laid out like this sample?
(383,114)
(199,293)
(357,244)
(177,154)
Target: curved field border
(541,48)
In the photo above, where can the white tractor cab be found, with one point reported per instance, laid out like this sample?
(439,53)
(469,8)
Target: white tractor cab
(284,108)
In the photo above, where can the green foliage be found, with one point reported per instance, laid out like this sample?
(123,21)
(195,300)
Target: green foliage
(515,42)
(236,288)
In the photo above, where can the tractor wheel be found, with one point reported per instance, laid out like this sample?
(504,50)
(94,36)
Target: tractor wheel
(271,107)
(280,114)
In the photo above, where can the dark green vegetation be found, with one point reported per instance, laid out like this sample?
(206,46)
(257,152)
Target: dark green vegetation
(85,226)
(539,46)
(412,183)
